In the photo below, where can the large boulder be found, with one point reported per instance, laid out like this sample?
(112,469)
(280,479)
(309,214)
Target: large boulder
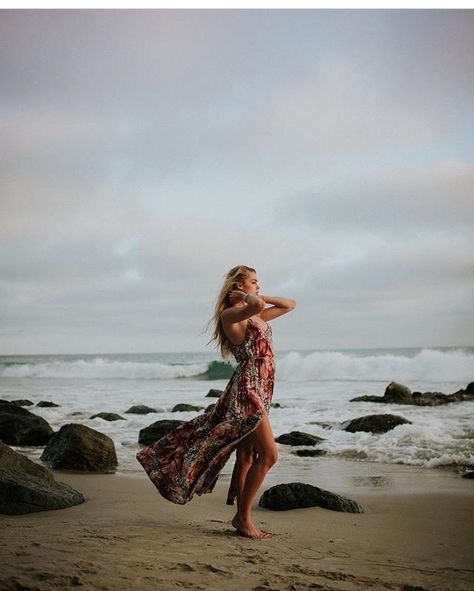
(298,495)
(26,487)
(182,407)
(298,438)
(77,447)
(375,423)
(19,426)
(157,430)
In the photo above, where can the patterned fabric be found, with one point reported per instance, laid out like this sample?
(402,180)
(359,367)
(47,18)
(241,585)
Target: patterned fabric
(189,459)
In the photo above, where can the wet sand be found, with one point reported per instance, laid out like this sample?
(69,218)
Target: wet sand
(126,536)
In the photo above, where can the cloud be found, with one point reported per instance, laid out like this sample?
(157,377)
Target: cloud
(146,153)
(387,200)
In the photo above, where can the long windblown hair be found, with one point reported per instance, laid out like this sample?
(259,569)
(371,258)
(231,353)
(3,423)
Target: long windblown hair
(235,275)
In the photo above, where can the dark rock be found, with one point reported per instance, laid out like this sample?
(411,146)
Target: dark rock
(22,402)
(275,405)
(213,393)
(77,447)
(469,475)
(210,407)
(47,403)
(298,438)
(108,416)
(375,423)
(157,430)
(140,409)
(310,452)
(19,426)
(367,398)
(398,394)
(26,487)
(298,495)
(185,407)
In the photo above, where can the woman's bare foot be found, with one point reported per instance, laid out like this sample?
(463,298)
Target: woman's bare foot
(248,529)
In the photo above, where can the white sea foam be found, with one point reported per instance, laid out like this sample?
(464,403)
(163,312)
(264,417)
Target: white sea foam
(100,368)
(426,365)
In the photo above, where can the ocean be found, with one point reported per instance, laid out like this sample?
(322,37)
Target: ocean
(313,389)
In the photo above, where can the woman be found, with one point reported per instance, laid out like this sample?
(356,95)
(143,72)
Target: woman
(189,459)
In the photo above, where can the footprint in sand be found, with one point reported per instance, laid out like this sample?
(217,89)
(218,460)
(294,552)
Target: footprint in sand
(200,567)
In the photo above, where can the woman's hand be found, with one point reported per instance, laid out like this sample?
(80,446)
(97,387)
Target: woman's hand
(236,296)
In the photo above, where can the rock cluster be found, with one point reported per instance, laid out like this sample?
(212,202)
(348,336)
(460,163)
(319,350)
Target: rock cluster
(400,394)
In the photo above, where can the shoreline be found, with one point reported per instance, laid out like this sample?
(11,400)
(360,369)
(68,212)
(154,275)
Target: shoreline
(127,536)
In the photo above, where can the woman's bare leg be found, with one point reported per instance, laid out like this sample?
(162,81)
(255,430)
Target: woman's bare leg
(263,442)
(244,459)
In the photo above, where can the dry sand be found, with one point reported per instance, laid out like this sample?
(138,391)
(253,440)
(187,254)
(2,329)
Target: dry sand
(127,537)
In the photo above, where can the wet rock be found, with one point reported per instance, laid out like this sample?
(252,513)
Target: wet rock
(47,404)
(210,407)
(298,438)
(140,409)
(77,447)
(398,394)
(375,423)
(186,407)
(275,405)
(157,430)
(304,453)
(108,416)
(19,426)
(469,475)
(20,402)
(298,495)
(213,393)
(26,487)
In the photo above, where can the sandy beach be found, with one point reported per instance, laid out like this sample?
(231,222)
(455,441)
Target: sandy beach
(125,536)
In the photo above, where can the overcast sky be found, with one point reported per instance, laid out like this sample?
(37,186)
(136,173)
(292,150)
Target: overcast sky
(144,153)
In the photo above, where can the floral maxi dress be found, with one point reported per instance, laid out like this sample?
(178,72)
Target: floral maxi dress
(189,459)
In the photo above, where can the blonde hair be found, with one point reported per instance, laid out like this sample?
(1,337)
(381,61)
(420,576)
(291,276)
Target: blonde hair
(235,275)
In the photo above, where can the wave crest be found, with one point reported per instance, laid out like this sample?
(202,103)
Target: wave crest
(428,364)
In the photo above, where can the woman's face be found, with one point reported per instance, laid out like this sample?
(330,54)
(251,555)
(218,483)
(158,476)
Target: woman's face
(250,284)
